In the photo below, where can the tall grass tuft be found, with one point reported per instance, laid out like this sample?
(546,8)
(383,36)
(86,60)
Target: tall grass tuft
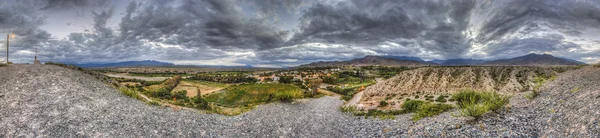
(475,104)
(430,109)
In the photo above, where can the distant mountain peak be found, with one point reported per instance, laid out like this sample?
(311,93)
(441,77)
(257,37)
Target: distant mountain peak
(535,59)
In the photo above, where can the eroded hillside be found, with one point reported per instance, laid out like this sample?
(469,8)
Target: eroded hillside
(444,80)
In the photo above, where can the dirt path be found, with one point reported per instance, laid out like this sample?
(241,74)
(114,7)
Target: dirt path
(355,99)
(174,107)
(329,93)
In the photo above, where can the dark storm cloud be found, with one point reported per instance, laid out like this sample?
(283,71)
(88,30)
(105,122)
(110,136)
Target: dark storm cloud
(208,23)
(436,24)
(568,16)
(69,4)
(519,47)
(265,32)
(20,19)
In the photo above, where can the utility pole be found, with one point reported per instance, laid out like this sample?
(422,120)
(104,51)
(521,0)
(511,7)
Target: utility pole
(7,43)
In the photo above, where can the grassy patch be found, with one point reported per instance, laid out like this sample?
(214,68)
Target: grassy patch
(131,92)
(475,104)
(430,109)
(208,83)
(158,74)
(538,83)
(412,105)
(254,94)
(154,103)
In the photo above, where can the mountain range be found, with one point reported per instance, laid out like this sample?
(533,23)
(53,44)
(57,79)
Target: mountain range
(369,61)
(526,60)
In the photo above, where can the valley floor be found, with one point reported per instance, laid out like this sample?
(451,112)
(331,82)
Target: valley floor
(51,101)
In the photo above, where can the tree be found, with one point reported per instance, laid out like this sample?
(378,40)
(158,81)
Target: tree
(200,102)
(313,87)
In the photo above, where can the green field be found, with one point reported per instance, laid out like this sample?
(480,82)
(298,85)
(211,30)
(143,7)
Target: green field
(158,74)
(208,83)
(254,94)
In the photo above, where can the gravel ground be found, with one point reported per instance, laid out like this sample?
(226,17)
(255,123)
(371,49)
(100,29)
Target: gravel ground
(51,101)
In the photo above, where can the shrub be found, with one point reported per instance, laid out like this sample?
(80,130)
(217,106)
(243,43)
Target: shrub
(416,97)
(474,109)
(383,103)
(441,99)
(162,93)
(181,95)
(200,103)
(597,65)
(430,109)
(412,105)
(467,95)
(348,109)
(476,104)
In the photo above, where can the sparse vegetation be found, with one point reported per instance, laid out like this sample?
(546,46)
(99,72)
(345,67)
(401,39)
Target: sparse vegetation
(131,92)
(254,94)
(430,109)
(475,104)
(538,83)
(411,105)
(383,103)
(200,103)
(441,99)
(154,103)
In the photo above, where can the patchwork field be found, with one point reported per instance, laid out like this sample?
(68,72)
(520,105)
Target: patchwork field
(128,76)
(254,94)
(194,87)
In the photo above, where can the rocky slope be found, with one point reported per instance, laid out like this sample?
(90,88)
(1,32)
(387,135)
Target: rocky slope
(368,61)
(443,80)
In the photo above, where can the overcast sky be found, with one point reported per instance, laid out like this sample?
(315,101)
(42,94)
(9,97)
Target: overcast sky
(278,33)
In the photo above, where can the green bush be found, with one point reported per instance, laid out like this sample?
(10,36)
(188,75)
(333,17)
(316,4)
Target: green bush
(476,104)
(474,109)
(383,103)
(162,93)
(412,105)
(465,96)
(180,95)
(430,109)
(200,103)
(441,99)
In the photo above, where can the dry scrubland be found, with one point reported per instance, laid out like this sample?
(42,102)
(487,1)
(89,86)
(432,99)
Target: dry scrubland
(433,82)
(51,101)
